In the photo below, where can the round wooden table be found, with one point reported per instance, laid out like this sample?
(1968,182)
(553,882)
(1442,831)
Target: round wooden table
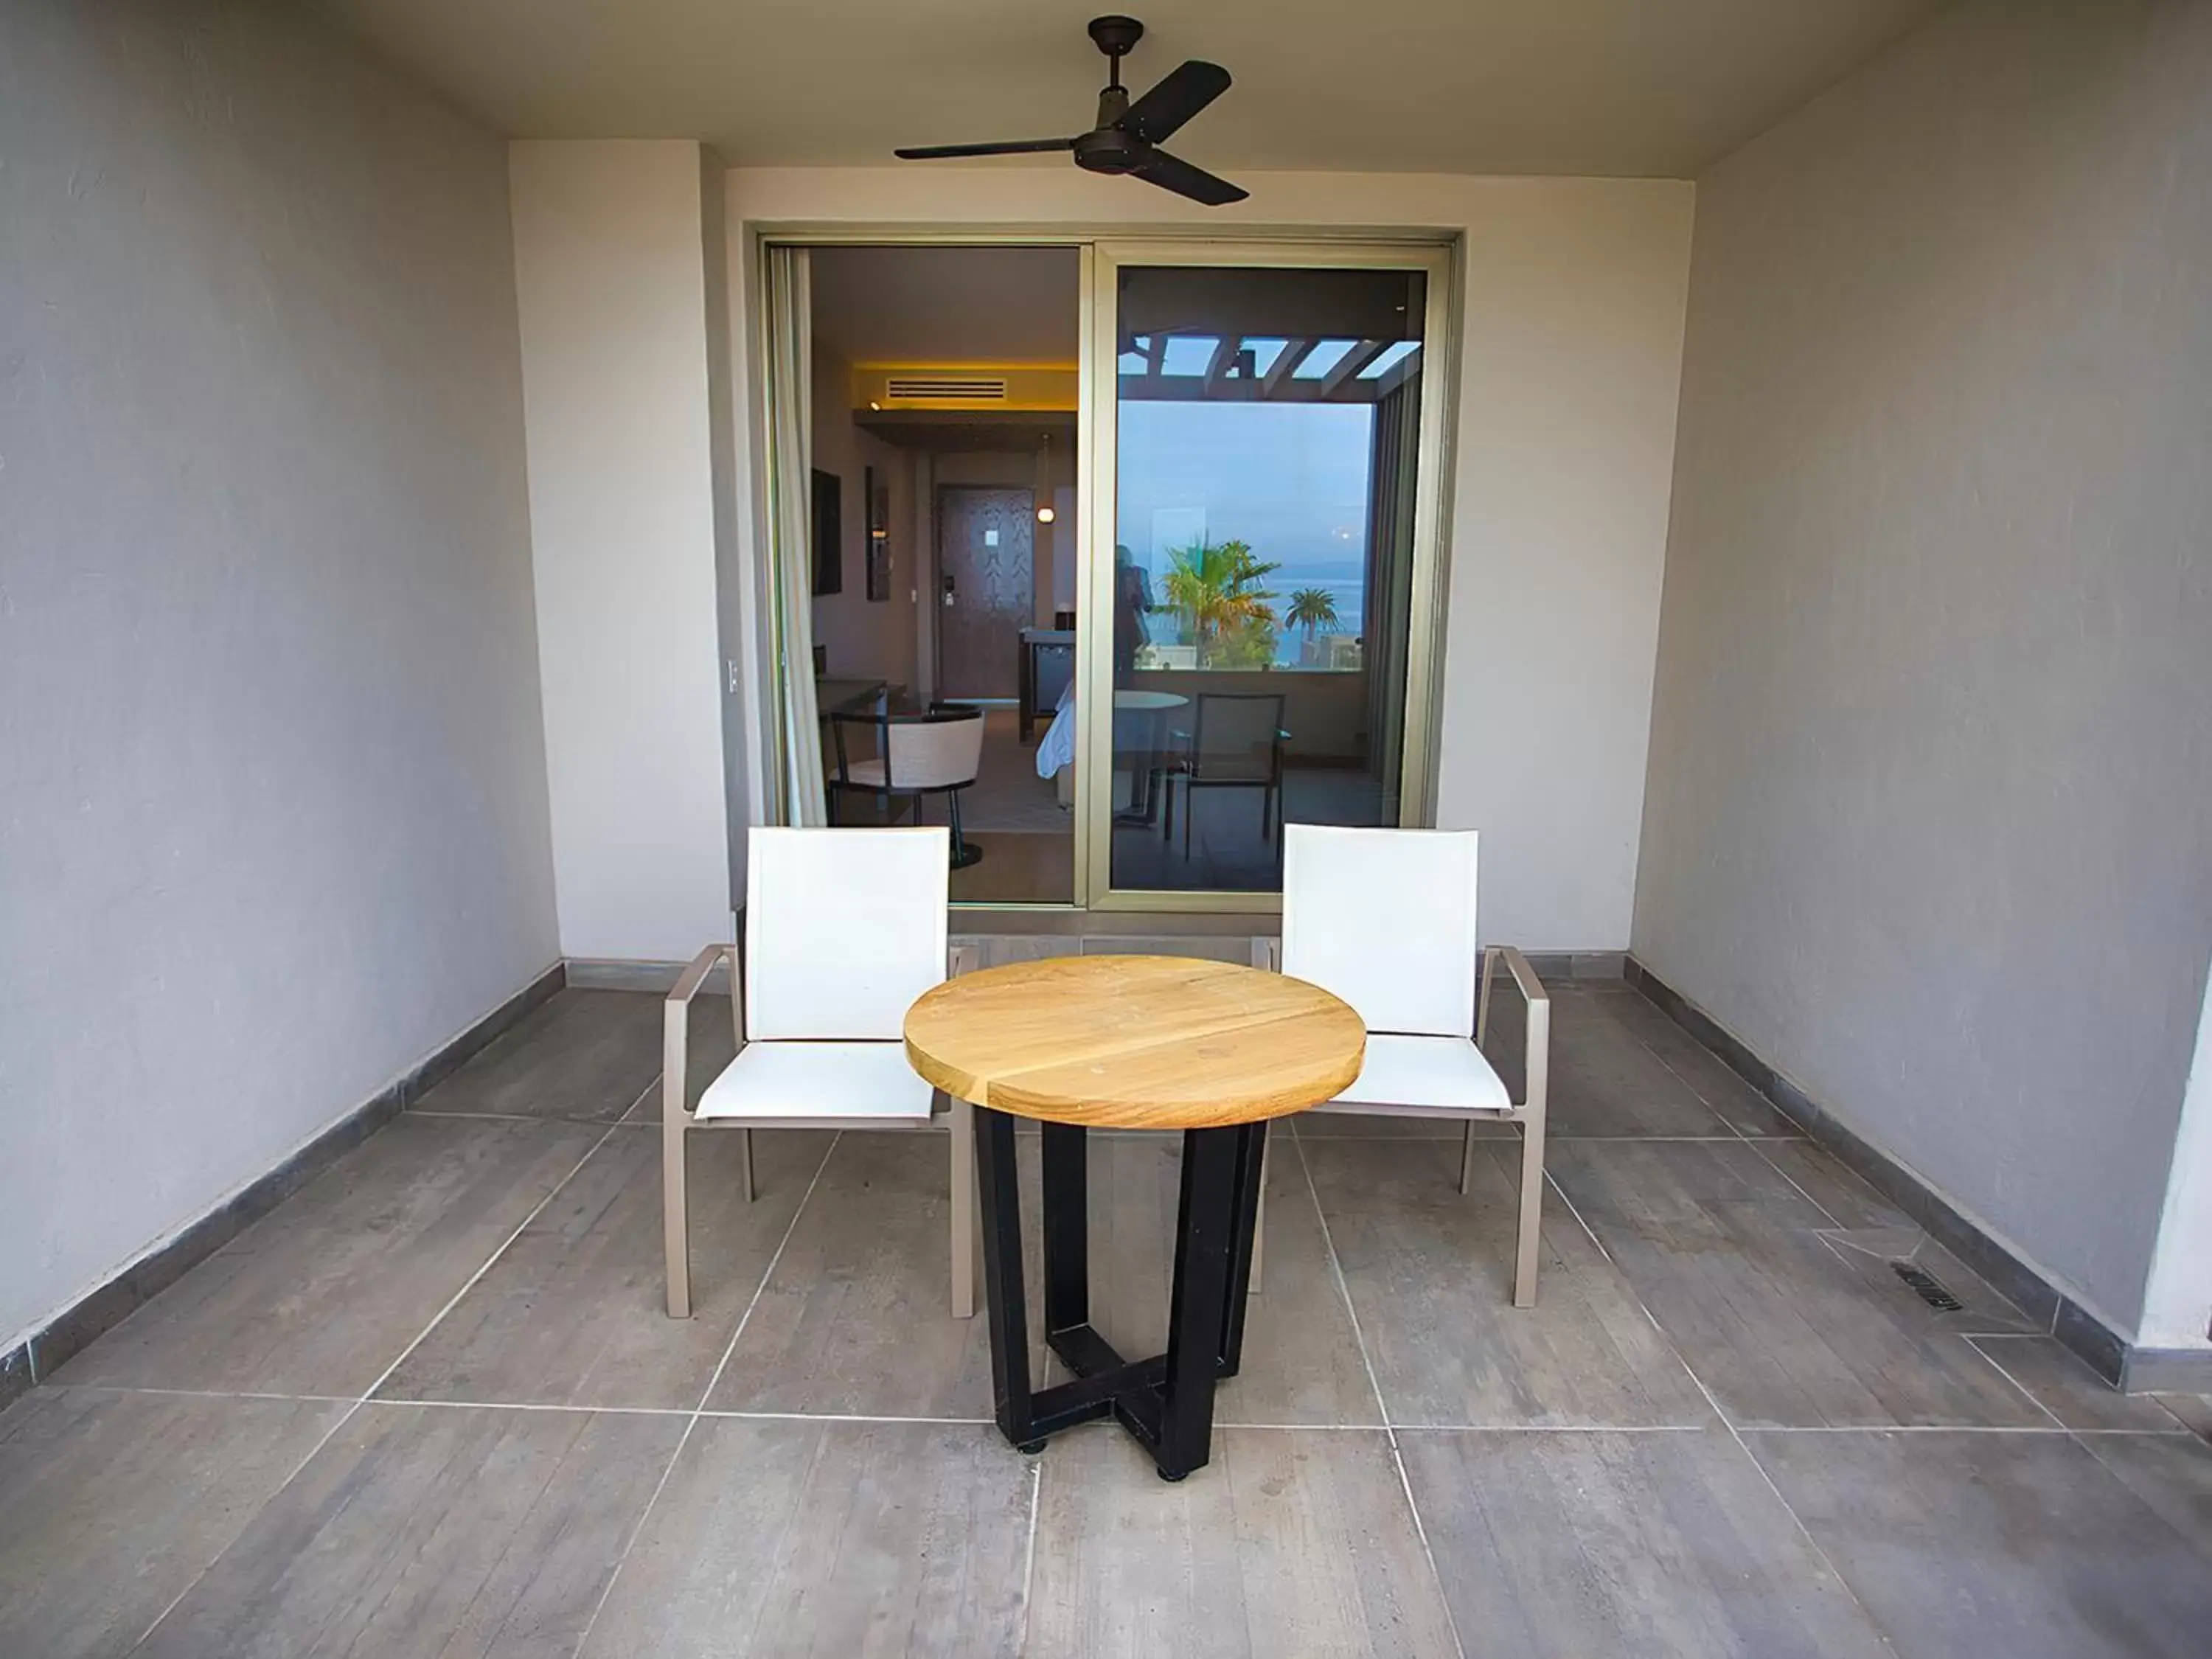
(1127,1043)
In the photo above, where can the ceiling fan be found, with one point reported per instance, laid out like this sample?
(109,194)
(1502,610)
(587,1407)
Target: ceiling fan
(1128,136)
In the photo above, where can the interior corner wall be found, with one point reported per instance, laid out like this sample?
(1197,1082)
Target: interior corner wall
(272,783)
(610,243)
(1930,785)
(2178,1300)
(861,636)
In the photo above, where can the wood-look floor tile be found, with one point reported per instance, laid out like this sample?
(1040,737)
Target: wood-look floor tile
(1707,1075)
(575,1312)
(582,1054)
(111,1503)
(829,1540)
(2066,1388)
(324,1293)
(1839,1194)
(1575,1544)
(2193,1411)
(1786,1330)
(1290,1541)
(2172,1473)
(2016,1544)
(1873,1255)
(1366,1125)
(1429,1272)
(1603,1081)
(857,1317)
(432,1530)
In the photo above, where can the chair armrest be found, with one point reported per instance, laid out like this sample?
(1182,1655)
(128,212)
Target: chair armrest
(1537,1052)
(1266,954)
(675,1024)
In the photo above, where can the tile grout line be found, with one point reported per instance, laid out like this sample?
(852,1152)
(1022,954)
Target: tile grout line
(1975,1340)
(1748,1140)
(1997,1365)
(353,1409)
(1789,1509)
(1834,1222)
(1689,1371)
(1805,1135)
(637,1530)
(2047,1430)
(1382,1406)
(1028,1554)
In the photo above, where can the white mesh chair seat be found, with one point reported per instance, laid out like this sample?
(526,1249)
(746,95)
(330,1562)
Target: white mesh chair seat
(869,773)
(772,1085)
(1422,1076)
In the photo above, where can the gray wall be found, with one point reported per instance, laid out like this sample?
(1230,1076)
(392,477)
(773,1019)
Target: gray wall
(1930,790)
(272,779)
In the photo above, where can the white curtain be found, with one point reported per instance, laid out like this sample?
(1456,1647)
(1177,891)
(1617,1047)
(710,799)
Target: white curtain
(788,356)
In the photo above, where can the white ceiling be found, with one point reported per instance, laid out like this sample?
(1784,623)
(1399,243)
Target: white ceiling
(948,305)
(1612,86)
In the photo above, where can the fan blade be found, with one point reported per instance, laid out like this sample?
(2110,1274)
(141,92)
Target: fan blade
(1016,147)
(1184,93)
(1170,173)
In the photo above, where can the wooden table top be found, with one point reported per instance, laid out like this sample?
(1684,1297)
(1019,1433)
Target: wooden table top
(1135,1043)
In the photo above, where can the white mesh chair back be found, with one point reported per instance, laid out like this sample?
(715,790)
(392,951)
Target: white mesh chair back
(936,751)
(844,928)
(1234,738)
(1385,920)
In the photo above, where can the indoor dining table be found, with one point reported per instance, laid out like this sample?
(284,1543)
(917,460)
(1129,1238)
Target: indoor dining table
(1088,1043)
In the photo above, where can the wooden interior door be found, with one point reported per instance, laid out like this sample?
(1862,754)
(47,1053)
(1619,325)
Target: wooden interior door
(986,569)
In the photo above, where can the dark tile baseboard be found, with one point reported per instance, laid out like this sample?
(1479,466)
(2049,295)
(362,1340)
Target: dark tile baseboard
(104,1307)
(2168,1371)
(2111,1355)
(622,974)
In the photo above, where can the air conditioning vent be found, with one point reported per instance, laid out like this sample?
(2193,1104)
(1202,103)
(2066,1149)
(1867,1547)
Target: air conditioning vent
(944,388)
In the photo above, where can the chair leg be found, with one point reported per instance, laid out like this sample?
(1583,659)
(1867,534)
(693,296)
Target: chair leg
(745,1165)
(674,1201)
(1467,1159)
(966,1222)
(1532,1212)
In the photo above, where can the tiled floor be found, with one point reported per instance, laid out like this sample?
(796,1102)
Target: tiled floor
(430,1406)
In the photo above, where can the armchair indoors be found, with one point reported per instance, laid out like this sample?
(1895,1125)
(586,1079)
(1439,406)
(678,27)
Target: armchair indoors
(843,929)
(936,753)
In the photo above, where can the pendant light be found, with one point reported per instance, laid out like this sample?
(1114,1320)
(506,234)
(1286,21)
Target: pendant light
(1043,494)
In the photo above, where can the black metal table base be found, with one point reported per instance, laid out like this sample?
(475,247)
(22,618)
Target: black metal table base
(1166,1402)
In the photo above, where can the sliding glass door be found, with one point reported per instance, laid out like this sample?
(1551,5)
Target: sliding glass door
(1265,425)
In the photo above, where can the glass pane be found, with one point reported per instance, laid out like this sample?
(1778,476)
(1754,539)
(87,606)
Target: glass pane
(1267,434)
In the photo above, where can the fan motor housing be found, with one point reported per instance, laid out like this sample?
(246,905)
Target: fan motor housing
(1109,150)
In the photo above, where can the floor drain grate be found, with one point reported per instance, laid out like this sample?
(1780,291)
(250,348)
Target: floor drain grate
(1926,1287)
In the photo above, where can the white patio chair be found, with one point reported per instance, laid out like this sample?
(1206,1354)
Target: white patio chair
(1385,920)
(843,929)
